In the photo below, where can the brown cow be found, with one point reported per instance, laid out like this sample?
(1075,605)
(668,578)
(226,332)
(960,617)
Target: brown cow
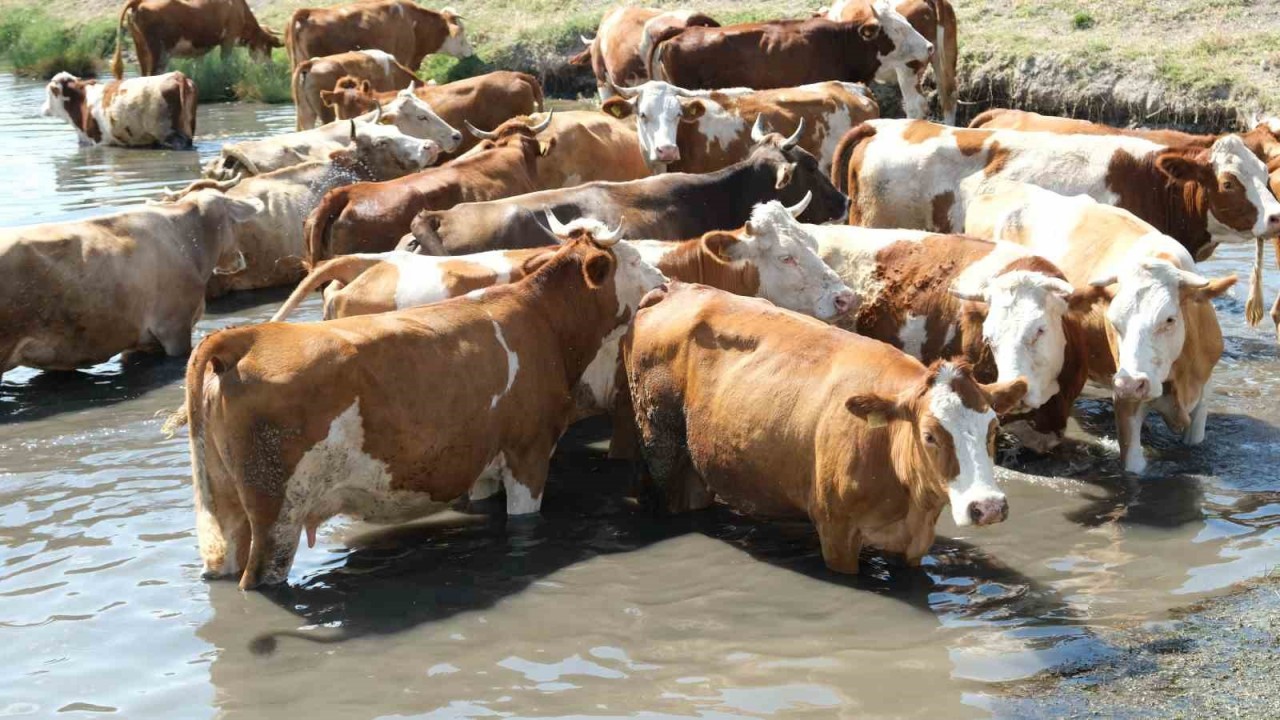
(311,77)
(162,29)
(400,27)
(589,147)
(783,416)
(372,217)
(787,53)
(293,424)
(620,51)
(139,112)
(933,19)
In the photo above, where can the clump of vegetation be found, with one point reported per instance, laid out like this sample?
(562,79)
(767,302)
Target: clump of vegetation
(1082,21)
(38,46)
(238,77)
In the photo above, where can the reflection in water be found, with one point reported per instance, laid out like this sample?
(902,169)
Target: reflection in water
(596,609)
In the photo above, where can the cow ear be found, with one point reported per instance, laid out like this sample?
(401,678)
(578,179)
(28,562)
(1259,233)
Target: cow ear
(240,210)
(720,245)
(1180,167)
(329,98)
(1005,396)
(1215,288)
(618,107)
(693,110)
(877,411)
(597,268)
(532,264)
(366,87)
(870,30)
(785,173)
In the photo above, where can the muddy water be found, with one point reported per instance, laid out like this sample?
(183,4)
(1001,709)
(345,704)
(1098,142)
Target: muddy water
(593,610)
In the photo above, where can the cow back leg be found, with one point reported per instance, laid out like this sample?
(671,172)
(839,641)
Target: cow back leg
(274,536)
(667,476)
(524,478)
(222,530)
(1129,417)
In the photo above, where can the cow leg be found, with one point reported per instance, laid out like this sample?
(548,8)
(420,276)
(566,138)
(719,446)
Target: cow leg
(275,533)
(1194,434)
(223,532)
(841,543)
(1275,314)
(1129,417)
(914,103)
(524,478)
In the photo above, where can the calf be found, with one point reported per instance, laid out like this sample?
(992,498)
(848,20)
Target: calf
(80,292)
(674,206)
(162,29)
(621,49)
(399,27)
(783,416)
(700,131)
(787,53)
(995,305)
(311,77)
(142,112)
(372,217)
(932,19)
(345,441)
(1153,337)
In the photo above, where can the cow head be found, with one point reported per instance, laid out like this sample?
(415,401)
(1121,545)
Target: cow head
(1023,327)
(383,151)
(415,117)
(785,257)
(795,173)
(220,214)
(515,131)
(952,420)
(898,45)
(260,41)
(659,108)
(63,96)
(456,42)
(1234,184)
(633,277)
(350,97)
(1145,314)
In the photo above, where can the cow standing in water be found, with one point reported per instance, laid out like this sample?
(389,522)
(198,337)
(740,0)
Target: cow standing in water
(155,111)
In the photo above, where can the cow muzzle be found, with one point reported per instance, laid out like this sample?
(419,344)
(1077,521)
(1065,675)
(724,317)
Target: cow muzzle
(846,301)
(1132,387)
(988,511)
(667,153)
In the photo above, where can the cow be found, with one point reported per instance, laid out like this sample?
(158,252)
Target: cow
(372,217)
(589,146)
(781,415)
(80,292)
(1153,335)
(699,131)
(158,111)
(674,206)
(400,27)
(1005,311)
(311,77)
(625,39)
(340,439)
(407,127)
(932,19)
(162,29)
(788,53)
(485,101)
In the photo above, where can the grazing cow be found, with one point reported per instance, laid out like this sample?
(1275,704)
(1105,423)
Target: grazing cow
(400,129)
(674,206)
(625,40)
(788,53)
(79,292)
(400,27)
(699,131)
(311,77)
(141,112)
(162,29)
(783,416)
(1153,337)
(372,217)
(589,147)
(485,100)
(932,19)
(345,441)
(997,306)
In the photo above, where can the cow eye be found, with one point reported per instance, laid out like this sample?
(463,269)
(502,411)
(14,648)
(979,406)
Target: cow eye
(788,260)
(929,439)
(1168,320)
(1228,184)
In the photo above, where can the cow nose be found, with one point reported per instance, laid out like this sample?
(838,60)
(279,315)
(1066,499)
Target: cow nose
(668,153)
(988,511)
(846,300)
(1133,387)
(1273,222)
(928,49)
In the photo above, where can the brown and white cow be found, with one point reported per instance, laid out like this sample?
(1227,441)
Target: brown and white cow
(781,415)
(589,147)
(162,29)
(1153,337)
(347,442)
(672,206)
(934,19)
(311,77)
(916,174)
(80,292)
(621,49)
(1002,309)
(141,112)
(407,31)
(789,53)
(372,217)
(485,101)
(703,130)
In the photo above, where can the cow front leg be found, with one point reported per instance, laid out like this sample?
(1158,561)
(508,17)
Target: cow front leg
(1194,434)
(524,478)
(841,544)
(1129,417)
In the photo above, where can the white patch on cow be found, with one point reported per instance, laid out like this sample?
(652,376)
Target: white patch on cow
(475,294)
(491,478)
(520,499)
(950,335)
(908,44)
(1147,316)
(513,364)
(968,429)
(600,377)
(912,335)
(420,280)
(721,127)
(1230,156)
(496,261)
(416,118)
(1024,331)
(836,124)
(785,255)
(383,58)
(1194,434)
(1134,461)
(851,252)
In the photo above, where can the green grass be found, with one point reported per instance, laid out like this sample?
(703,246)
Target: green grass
(239,77)
(38,46)
(1082,21)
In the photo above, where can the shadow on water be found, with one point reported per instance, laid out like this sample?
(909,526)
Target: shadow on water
(124,378)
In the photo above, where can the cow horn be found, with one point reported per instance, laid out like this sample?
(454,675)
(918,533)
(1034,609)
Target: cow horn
(586,40)
(626,92)
(377,118)
(477,132)
(758,130)
(609,238)
(543,125)
(968,295)
(798,209)
(795,137)
(1104,281)
(353,130)
(557,228)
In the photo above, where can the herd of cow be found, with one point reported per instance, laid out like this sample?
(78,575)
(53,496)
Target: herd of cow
(793,323)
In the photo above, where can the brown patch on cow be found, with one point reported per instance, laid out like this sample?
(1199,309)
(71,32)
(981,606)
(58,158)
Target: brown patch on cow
(461,277)
(971,142)
(697,261)
(942,205)
(918,131)
(1229,203)
(996,160)
(1173,207)
(109,92)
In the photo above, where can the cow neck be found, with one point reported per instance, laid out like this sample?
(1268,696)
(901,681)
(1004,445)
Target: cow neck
(429,30)
(724,198)
(690,262)
(1180,210)
(192,240)
(81,115)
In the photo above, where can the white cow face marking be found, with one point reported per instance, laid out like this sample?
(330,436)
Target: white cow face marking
(415,118)
(975,498)
(383,147)
(1147,318)
(1237,169)
(1024,330)
(908,44)
(55,97)
(660,107)
(457,43)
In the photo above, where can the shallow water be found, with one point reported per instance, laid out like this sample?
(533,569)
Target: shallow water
(595,609)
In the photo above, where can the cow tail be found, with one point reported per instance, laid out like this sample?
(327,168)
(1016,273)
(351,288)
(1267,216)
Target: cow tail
(984,117)
(299,96)
(844,156)
(117,60)
(190,101)
(944,60)
(653,65)
(344,269)
(320,224)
